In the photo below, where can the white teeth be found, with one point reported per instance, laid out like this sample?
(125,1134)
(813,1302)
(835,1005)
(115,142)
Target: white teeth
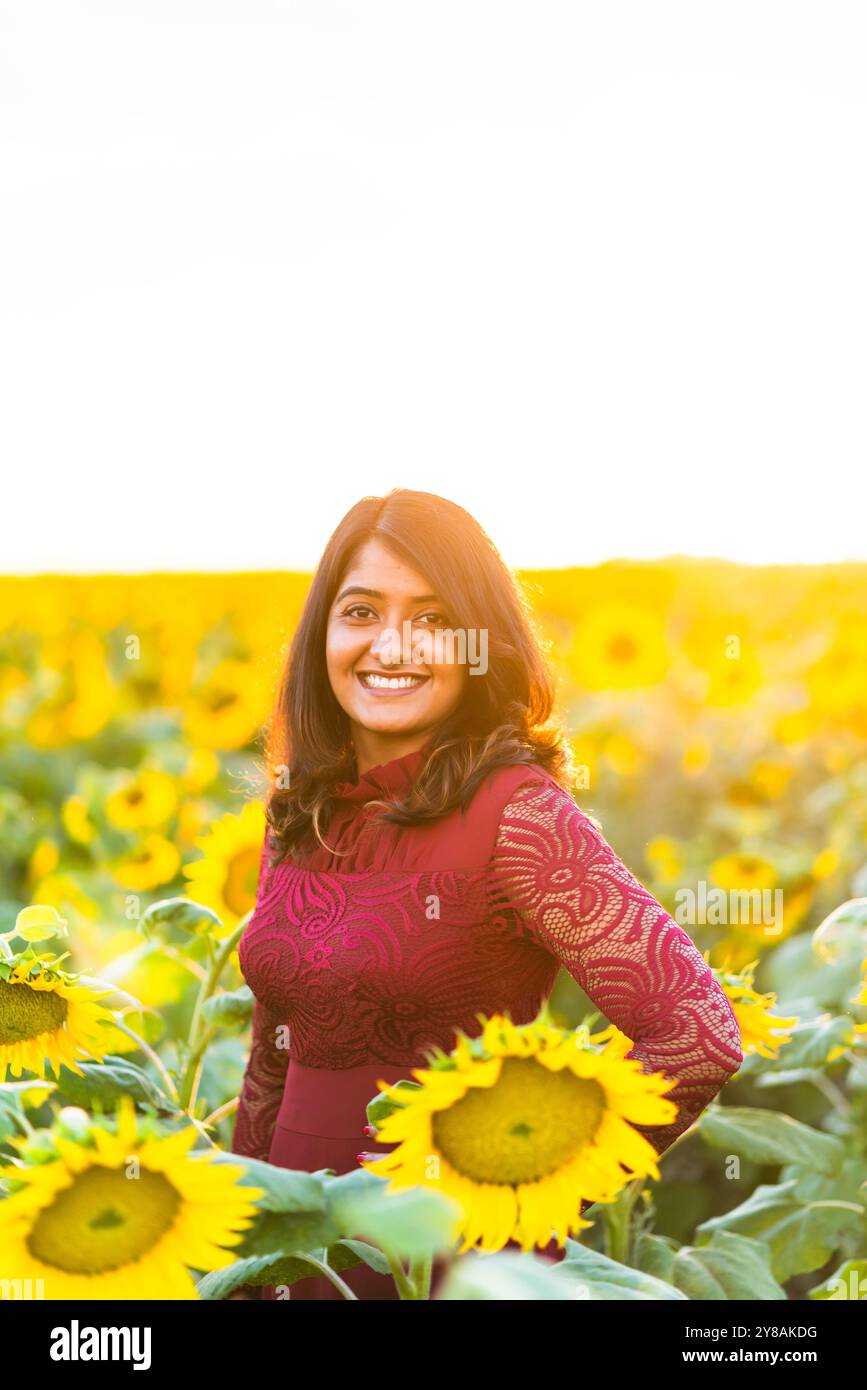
(390,682)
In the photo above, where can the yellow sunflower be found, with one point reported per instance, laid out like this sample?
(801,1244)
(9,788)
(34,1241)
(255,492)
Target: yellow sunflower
(86,695)
(44,859)
(226,879)
(519,1126)
(743,872)
(664,857)
(229,708)
(76,820)
(154,862)
(143,802)
(123,1217)
(47,1014)
(695,757)
(732,680)
(202,769)
(619,645)
(761,1031)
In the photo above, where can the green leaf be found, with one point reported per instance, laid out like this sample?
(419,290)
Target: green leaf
(286,1235)
(849,1283)
(729,1266)
(801,1236)
(811,1043)
(414,1222)
(768,1136)
(221,1282)
(383,1105)
(369,1254)
(284,1189)
(279,1268)
(231,1009)
(507,1276)
(654,1254)
(845,1184)
(606,1279)
(40,923)
(180,913)
(105,1082)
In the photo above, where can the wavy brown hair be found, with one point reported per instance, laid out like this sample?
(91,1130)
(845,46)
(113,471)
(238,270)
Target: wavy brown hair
(505,717)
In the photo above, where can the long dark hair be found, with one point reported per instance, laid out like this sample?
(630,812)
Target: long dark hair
(505,717)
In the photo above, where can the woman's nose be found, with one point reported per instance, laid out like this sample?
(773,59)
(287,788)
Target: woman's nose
(386,646)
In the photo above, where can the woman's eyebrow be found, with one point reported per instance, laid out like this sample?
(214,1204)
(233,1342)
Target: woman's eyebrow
(377,593)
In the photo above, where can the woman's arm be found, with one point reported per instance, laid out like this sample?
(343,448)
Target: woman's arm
(630,957)
(264,1081)
(265,1076)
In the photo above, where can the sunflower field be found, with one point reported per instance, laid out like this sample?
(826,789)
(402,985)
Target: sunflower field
(718,720)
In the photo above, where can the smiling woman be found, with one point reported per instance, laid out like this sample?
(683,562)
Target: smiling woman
(390,703)
(368,677)
(410,787)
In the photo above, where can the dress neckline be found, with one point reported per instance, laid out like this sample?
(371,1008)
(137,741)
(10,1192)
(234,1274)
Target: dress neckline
(396,775)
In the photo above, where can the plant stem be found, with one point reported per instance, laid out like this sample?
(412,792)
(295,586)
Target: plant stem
(420,1271)
(197,1042)
(404,1287)
(152,1054)
(331,1274)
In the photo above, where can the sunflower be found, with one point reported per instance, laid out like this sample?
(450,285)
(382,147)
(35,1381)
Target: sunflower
(226,878)
(521,1125)
(761,1031)
(664,857)
(43,860)
(123,1217)
(46,1013)
(732,680)
(229,708)
(143,802)
(619,645)
(86,694)
(743,872)
(76,820)
(202,769)
(696,757)
(154,862)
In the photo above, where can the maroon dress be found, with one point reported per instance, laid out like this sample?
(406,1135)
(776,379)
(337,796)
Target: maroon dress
(367,957)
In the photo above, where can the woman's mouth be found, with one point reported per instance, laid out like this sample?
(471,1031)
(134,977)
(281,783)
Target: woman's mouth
(389,685)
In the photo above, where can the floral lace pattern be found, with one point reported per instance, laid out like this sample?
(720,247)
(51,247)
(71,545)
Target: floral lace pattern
(640,969)
(386,963)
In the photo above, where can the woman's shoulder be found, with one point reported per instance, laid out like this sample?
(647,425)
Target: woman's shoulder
(527,797)
(506,787)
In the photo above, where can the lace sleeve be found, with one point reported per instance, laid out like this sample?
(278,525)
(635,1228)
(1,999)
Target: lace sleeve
(640,969)
(262,1090)
(265,1075)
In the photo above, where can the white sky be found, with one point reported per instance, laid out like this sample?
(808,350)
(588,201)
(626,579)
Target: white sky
(596,271)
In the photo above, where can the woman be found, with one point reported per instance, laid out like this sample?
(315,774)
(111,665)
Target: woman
(424,860)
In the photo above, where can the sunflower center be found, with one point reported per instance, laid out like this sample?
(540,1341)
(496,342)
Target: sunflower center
(622,648)
(28,1013)
(241,876)
(104,1220)
(219,700)
(526,1126)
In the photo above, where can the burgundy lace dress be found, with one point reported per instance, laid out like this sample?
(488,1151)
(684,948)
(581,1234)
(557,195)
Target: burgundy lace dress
(365,959)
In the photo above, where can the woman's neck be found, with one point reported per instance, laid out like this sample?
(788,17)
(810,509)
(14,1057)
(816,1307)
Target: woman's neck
(372,749)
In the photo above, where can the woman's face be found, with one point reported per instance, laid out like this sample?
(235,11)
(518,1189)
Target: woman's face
(395,682)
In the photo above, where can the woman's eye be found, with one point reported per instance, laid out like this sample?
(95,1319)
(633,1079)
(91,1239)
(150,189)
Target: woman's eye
(436,619)
(357,610)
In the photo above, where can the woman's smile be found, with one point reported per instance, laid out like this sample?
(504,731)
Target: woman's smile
(381,683)
(383,663)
